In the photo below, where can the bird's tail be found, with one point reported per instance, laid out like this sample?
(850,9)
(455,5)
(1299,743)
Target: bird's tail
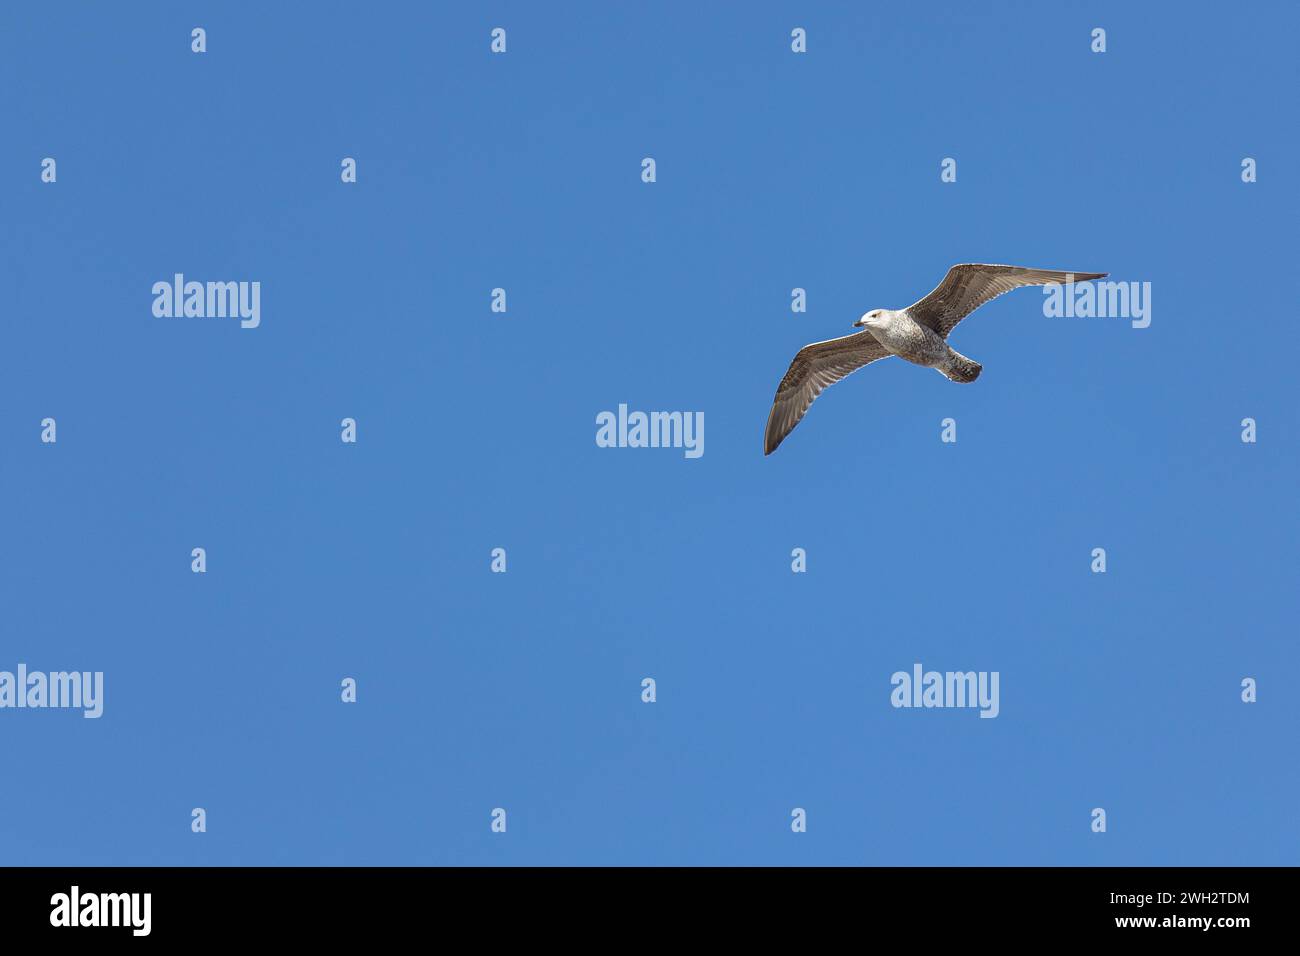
(959,368)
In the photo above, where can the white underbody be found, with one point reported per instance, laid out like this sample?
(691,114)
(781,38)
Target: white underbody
(901,335)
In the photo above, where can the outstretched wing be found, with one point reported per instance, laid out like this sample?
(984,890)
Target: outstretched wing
(815,367)
(968,286)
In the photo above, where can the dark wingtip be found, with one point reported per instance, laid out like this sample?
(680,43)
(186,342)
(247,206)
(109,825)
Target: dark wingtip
(769,433)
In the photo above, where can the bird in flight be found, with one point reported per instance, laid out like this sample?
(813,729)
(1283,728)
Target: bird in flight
(918,333)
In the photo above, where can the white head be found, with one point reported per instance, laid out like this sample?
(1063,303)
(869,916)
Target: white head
(875,319)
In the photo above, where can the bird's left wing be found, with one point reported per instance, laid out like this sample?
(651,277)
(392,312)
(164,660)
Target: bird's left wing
(814,368)
(968,286)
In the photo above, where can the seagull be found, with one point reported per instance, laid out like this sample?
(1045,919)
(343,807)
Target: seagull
(918,333)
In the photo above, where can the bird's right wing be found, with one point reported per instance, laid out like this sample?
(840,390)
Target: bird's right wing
(815,367)
(968,286)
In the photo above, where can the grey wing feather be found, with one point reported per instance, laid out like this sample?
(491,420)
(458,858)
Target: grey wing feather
(814,368)
(968,286)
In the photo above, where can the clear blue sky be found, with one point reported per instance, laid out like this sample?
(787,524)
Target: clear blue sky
(476,431)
